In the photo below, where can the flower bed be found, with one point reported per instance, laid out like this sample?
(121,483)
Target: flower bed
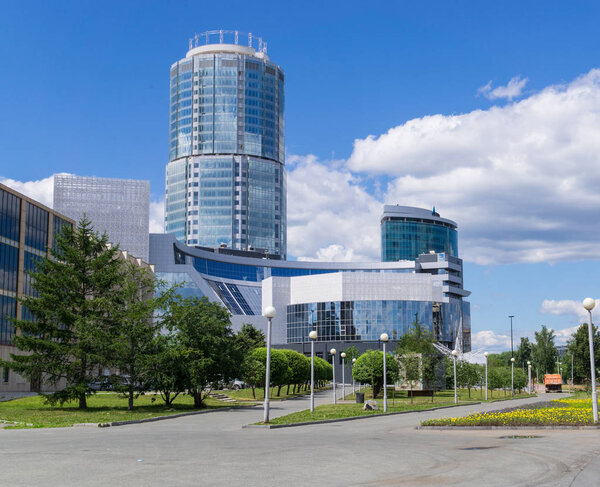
(569,412)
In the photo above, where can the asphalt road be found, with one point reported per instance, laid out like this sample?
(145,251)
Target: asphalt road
(213,449)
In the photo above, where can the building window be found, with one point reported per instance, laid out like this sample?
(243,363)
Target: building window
(5,374)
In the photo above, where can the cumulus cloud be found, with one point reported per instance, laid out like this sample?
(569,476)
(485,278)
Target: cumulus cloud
(331,216)
(521,180)
(41,190)
(157,216)
(567,307)
(490,340)
(513,89)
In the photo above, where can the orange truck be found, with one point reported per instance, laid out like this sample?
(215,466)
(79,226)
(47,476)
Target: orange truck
(553,382)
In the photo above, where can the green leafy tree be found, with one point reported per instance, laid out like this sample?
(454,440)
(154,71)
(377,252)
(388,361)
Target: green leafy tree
(410,365)
(74,311)
(520,379)
(579,346)
(523,353)
(368,369)
(247,339)
(253,372)
(203,334)
(544,351)
(323,371)
(419,339)
(351,353)
(168,373)
(467,375)
(299,366)
(280,369)
(497,377)
(131,347)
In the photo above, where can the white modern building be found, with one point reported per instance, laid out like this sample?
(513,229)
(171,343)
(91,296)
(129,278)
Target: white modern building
(119,207)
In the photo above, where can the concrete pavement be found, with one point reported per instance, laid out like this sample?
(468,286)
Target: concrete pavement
(213,449)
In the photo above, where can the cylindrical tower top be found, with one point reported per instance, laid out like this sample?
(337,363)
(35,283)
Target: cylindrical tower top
(233,41)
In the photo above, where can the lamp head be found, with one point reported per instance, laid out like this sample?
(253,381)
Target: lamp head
(550,330)
(269,312)
(454,353)
(384,337)
(512,360)
(529,363)
(353,360)
(485,354)
(343,354)
(589,303)
(333,351)
(313,335)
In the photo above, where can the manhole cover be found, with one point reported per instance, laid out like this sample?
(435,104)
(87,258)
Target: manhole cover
(519,437)
(478,448)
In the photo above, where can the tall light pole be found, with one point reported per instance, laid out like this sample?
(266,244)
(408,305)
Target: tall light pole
(353,362)
(588,304)
(454,354)
(384,338)
(486,382)
(333,351)
(269,313)
(343,355)
(511,335)
(550,330)
(512,377)
(529,374)
(313,336)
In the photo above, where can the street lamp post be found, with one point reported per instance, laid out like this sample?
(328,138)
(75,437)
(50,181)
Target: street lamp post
(486,367)
(268,313)
(343,355)
(333,351)
(588,304)
(353,362)
(511,335)
(454,354)
(313,336)
(384,338)
(512,377)
(529,374)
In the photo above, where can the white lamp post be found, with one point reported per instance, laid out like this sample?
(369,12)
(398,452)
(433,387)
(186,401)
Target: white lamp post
(588,304)
(512,377)
(313,336)
(384,338)
(529,374)
(333,351)
(486,382)
(353,362)
(269,313)
(343,355)
(454,354)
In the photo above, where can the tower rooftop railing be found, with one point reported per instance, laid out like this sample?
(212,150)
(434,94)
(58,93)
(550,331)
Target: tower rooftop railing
(228,37)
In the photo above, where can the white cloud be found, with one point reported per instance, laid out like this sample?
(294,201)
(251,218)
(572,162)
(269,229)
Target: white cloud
(568,307)
(331,216)
(489,340)
(157,216)
(41,190)
(513,89)
(520,180)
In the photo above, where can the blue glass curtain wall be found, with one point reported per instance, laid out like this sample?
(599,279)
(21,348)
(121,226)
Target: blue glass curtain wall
(405,240)
(10,215)
(8,311)
(36,227)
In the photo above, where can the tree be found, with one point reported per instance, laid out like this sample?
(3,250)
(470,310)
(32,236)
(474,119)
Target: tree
(579,346)
(168,374)
(523,353)
(418,339)
(467,375)
(544,351)
(131,345)
(299,366)
(74,314)
(280,370)
(411,366)
(253,372)
(247,339)
(203,334)
(351,353)
(497,378)
(368,369)
(323,371)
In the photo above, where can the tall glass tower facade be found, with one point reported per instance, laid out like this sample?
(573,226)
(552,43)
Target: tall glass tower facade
(407,232)
(225,180)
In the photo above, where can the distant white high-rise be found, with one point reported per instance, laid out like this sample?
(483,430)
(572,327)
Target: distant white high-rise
(119,207)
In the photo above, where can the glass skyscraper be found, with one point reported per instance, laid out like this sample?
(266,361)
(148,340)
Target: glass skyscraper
(225,180)
(407,232)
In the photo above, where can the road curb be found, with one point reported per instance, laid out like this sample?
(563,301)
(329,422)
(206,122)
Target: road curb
(171,416)
(353,418)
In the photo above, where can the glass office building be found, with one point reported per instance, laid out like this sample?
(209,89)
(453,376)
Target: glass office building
(27,231)
(119,207)
(408,232)
(225,180)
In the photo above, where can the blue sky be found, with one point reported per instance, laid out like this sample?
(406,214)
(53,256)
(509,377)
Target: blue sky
(84,89)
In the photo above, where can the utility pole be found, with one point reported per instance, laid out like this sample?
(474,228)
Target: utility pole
(511,336)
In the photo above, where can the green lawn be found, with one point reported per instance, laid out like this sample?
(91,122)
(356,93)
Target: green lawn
(31,412)
(439,396)
(246,394)
(397,401)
